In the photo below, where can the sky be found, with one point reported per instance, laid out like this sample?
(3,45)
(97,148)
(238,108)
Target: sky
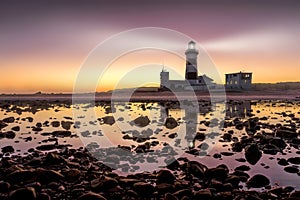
(43,44)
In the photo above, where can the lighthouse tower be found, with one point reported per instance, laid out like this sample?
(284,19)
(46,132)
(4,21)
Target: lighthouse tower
(191,72)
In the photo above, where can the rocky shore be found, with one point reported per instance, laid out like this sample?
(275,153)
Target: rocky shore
(54,169)
(74,174)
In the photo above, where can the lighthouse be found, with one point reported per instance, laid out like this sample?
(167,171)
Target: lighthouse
(191,72)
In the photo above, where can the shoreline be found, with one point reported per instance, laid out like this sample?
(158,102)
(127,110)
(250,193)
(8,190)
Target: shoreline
(161,96)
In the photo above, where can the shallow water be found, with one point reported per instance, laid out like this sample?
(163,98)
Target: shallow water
(89,130)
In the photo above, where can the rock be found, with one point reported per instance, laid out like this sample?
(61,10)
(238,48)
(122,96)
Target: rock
(294,160)
(61,133)
(227,153)
(2,124)
(204,194)
(10,134)
(16,128)
(200,136)
(46,147)
(172,135)
(295,194)
(242,168)
(72,174)
(165,176)
(171,123)
(258,181)
(278,142)
(66,125)
(47,176)
(252,154)
(163,188)
(286,133)
(23,193)
(108,120)
(55,123)
(169,196)
(283,162)
(4,187)
(196,169)
(53,158)
(217,173)
(18,176)
(291,169)
(91,196)
(108,183)
(142,121)
(143,189)
(237,147)
(8,149)
(9,120)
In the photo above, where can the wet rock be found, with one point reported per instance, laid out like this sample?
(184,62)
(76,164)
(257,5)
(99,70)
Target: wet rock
(291,169)
(165,176)
(287,133)
(53,158)
(171,123)
(180,194)
(252,154)
(4,187)
(10,134)
(142,121)
(55,123)
(8,120)
(227,153)
(2,124)
(16,128)
(218,173)
(196,169)
(203,194)
(61,133)
(294,160)
(46,176)
(200,136)
(295,195)
(242,168)
(227,137)
(23,193)
(172,135)
(283,162)
(237,147)
(108,120)
(278,142)
(258,181)
(46,147)
(66,125)
(163,188)
(169,196)
(8,149)
(91,196)
(143,189)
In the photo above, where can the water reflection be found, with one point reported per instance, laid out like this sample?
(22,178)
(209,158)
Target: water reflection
(239,109)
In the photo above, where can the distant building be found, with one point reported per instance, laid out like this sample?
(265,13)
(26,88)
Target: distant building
(239,80)
(192,80)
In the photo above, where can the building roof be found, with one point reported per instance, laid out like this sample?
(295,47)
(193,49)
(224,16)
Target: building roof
(239,73)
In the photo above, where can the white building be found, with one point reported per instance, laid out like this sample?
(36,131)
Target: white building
(239,80)
(192,80)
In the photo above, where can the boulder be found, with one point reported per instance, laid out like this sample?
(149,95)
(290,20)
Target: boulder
(27,193)
(258,181)
(252,154)
(171,123)
(142,121)
(91,196)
